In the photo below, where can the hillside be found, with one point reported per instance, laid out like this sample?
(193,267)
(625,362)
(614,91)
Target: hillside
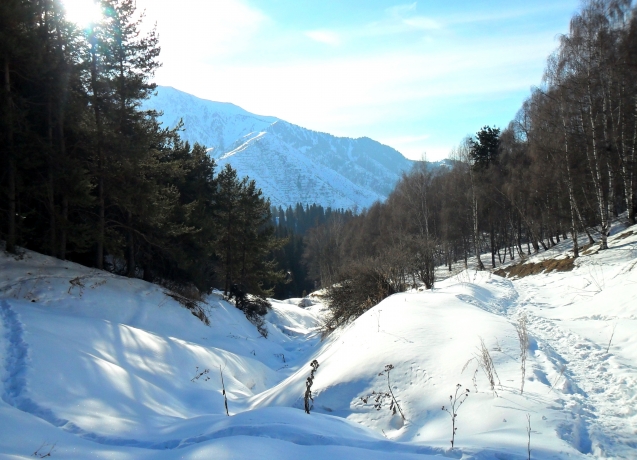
(101,366)
(290,164)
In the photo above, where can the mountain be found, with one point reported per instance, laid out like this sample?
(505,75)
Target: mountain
(289,163)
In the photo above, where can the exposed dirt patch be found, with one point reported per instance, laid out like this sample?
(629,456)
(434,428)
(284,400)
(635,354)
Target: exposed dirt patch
(589,249)
(586,247)
(624,235)
(532,268)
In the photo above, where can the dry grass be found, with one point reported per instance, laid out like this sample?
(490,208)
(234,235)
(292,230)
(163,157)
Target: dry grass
(189,297)
(624,235)
(488,367)
(533,268)
(523,335)
(590,249)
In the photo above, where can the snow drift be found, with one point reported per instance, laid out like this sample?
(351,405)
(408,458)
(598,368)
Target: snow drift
(99,366)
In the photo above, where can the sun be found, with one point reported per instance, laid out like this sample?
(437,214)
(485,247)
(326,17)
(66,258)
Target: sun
(82,12)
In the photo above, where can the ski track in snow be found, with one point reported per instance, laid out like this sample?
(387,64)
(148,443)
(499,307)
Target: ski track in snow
(595,399)
(16,392)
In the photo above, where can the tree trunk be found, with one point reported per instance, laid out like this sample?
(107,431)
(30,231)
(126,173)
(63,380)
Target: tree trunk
(101,202)
(63,228)
(130,243)
(63,225)
(474,215)
(492,232)
(51,177)
(629,172)
(520,250)
(11,173)
(594,163)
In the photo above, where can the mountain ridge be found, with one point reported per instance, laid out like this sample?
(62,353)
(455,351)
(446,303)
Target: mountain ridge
(291,164)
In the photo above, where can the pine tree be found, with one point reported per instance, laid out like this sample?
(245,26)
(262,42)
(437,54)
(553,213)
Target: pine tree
(17,23)
(484,149)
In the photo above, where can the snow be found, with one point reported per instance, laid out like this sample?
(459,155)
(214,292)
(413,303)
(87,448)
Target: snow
(95,365)
(289,163)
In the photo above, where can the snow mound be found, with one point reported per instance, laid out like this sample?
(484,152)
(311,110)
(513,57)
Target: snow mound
(95,365)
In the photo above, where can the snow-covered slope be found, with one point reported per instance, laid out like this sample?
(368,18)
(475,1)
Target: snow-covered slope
(106,367)
(289,163)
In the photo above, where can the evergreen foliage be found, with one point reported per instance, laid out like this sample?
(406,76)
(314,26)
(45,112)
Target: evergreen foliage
(484,149)
(294,226)
(88,175)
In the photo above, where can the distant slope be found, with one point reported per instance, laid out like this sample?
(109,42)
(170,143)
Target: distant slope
(290,164)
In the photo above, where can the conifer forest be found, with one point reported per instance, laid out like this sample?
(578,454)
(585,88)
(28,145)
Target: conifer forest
(90,176)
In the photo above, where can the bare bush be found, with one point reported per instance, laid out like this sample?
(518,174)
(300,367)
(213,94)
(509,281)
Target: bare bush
(360,288)
(189,297)
(422,260)
(254,307)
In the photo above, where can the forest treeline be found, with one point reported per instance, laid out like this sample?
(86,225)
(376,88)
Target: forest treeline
(563,166)
(90,176)
(292,226)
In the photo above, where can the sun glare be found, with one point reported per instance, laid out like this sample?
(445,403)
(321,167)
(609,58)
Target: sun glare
(82,12)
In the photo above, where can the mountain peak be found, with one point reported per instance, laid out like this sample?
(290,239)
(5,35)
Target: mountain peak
(291,164)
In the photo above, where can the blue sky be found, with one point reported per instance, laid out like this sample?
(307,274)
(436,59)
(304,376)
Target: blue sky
(418,76)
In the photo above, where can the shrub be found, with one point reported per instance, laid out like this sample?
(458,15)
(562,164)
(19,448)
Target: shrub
(188,296)
(254,307)
(360,288)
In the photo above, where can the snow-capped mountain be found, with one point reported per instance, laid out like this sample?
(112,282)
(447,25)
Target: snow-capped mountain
(289,163)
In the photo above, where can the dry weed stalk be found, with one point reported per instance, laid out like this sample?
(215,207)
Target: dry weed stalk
(379,398)
(611,337)
(562,369)
(528,433)
(523,335)
(199,374)
(223,387)
(308,387)
(488,367)
(455,401)
(41,451)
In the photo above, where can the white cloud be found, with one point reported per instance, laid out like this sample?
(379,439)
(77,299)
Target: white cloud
(422,23)
(368,83)
(324,36)
(408,139)
(195,30)
(320,93)
(401,10)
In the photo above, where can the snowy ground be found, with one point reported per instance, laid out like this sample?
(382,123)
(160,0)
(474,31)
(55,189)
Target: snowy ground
(99,366)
